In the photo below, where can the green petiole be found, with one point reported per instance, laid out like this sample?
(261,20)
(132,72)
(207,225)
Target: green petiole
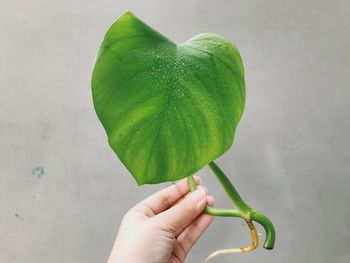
(242,210)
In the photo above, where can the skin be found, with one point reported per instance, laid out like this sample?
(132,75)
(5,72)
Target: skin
(164,227)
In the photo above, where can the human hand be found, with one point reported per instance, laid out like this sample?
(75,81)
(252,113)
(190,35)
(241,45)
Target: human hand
(164,227)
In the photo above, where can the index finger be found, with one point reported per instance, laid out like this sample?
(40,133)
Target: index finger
(164,198)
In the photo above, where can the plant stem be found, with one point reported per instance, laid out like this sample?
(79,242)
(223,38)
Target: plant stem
(231,191)
(243,210)
(268,227)
(223,212)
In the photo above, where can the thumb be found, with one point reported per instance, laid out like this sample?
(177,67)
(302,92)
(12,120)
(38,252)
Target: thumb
(182,213)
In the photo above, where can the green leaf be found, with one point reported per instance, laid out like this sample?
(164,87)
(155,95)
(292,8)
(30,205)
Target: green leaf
(168,109)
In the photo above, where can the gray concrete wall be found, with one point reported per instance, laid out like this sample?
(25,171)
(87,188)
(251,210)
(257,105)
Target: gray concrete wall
(290,159)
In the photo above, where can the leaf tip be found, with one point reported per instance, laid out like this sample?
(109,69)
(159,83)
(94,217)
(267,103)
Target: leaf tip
(127,14)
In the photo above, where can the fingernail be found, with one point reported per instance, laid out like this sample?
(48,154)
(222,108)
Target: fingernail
(210,200)
(198,195)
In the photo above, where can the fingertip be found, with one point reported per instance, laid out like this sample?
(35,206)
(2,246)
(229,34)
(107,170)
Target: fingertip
(197,179)
(203,187)
(208,219)
(210,200)
(199,195)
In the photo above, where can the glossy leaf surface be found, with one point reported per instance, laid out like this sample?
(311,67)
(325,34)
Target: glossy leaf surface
(168,109)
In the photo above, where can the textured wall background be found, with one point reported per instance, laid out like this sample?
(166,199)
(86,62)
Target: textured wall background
(290,158)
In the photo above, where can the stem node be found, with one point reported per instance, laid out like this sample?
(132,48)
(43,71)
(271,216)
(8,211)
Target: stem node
(243,210)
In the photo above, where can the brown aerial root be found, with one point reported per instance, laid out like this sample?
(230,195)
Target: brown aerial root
(251,247)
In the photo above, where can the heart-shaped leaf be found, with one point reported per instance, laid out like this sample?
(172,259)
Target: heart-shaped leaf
(168,109)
